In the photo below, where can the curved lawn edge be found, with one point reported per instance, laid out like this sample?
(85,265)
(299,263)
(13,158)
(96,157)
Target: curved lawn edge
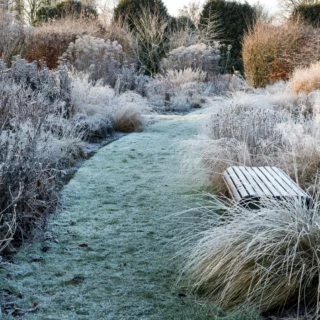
(109,253)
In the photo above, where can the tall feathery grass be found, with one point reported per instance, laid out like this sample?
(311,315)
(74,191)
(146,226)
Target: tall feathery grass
(265,259)
(306,79)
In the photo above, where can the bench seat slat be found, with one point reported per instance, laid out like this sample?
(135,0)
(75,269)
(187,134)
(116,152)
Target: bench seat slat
(240,188)
(249,188)
(273,180)
(290,182)
(281,184)
(232,188)
(258,191)
(267,183)
(266,191)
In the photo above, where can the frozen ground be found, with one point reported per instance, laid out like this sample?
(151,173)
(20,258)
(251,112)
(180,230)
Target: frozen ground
(109,253)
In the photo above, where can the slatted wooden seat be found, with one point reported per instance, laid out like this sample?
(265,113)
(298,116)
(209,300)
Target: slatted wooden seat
(247,185)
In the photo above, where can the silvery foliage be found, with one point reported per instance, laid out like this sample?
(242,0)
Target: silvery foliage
(102,60)
(253,124)
(198,56)
(29,93)
(93,128)
(13,36)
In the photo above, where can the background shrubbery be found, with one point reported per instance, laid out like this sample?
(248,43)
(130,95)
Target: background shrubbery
(271,53)
(233,20)
(310,13)
(64,9)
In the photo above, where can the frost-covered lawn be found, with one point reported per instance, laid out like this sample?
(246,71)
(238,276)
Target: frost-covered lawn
(109,253)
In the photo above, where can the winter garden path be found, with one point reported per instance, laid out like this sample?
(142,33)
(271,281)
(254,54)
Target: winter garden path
(108,254)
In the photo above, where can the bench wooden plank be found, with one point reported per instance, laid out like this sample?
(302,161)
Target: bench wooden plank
(290,182)
(250,184)
(266,191)
(279,182)
(266,182)
(258,190)
(241,190)
(249,188)
(273,180)
(231,187)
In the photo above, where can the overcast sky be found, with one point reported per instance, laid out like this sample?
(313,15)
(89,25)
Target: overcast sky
(174,5)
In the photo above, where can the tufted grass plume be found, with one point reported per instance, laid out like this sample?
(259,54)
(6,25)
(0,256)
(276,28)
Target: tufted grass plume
(306,79)
(266,259)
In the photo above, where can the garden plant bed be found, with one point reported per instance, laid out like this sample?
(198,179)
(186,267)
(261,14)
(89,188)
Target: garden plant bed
(108,253)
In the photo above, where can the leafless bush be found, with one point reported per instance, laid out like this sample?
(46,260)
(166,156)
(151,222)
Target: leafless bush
(150,39)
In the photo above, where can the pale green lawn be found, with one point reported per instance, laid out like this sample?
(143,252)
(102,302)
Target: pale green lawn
(119,203)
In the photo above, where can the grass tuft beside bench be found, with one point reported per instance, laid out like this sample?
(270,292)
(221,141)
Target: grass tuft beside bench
(248,185)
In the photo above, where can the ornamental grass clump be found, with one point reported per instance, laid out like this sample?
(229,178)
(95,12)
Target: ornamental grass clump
(266,259)
(306,79)
(260,129)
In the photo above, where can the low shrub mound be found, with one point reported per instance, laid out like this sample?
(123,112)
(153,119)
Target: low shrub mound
(306,79)
(197,56)
(180,90)
(266,259)
(100,109)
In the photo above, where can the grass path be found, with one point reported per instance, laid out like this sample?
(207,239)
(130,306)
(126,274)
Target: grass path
(116,208)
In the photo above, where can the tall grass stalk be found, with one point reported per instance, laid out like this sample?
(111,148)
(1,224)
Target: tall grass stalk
(266,259)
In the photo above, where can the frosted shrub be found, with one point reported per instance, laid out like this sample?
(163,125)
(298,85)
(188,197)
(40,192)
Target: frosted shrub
(122,112)
(94,127)
(180,77)
(258,130)
(251,124)
(37,141)
(198,56)
(13,36)
(180,90)
(31,158)
(102,60)
(90,99)
(28,93)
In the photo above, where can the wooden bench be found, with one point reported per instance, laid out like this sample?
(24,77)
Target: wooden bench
(247,185)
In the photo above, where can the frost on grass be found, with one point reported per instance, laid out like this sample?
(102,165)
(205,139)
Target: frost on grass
(265,259)
(267,127)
